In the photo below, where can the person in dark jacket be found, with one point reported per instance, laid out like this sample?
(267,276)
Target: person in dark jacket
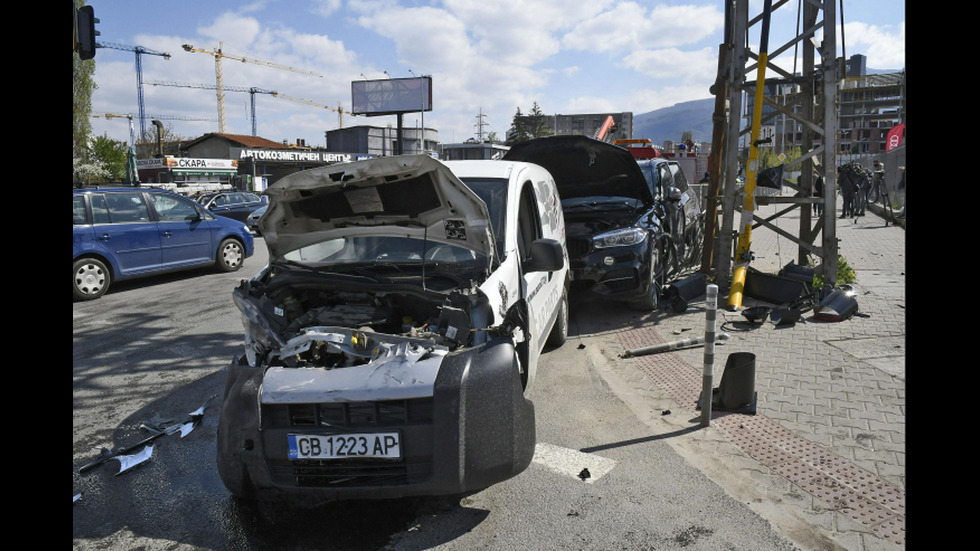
(818,192)
(848,189)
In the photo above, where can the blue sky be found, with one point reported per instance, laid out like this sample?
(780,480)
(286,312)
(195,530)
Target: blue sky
(488,58)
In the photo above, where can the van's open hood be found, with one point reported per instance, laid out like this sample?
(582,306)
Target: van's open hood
(405,195)
(583,166)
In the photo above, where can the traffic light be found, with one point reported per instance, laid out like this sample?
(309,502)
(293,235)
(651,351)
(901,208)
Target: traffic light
(85,32)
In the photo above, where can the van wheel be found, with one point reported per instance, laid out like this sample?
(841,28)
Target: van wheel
(231,255)
(90,279)
(559,332)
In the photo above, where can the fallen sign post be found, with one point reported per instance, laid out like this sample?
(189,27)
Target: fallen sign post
(668,346)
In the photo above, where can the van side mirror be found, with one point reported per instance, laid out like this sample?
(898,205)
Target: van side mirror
(674,194)
(546,256)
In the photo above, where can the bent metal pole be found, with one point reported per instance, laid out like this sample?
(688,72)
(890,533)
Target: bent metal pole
(707,382)
(742,252)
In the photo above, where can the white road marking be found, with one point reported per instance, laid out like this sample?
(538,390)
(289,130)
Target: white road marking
(570,462)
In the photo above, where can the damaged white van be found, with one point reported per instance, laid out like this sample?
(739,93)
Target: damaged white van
(391,338)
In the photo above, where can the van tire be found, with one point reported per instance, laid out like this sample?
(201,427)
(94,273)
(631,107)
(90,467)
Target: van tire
(559,331)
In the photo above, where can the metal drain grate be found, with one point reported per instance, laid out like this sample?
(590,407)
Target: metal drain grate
(846,488)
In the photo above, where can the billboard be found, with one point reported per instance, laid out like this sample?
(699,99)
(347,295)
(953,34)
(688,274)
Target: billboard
(391,96)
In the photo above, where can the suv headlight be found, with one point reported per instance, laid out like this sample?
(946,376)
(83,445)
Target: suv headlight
(619,238)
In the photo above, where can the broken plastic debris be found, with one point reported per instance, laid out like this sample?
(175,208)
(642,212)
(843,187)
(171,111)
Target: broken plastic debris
(127,462)
(76,497)
(584,474)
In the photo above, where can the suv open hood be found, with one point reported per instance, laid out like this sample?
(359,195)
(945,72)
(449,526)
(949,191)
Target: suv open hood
(408,196)
(583,166)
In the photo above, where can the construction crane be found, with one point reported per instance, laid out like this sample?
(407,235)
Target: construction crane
(218,56)
(140,50)
(252,91)
(338,109)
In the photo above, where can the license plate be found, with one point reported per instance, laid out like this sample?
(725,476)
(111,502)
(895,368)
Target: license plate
(382,445)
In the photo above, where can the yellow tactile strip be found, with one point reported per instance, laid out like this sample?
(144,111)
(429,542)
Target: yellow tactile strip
(850,490)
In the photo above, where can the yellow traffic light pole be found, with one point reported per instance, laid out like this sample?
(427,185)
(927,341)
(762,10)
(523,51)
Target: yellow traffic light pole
(743,253)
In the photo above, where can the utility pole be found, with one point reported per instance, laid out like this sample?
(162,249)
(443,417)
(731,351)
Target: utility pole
(817,116)
(481,121)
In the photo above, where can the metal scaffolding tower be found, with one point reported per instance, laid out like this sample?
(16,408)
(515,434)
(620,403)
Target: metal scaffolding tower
(815,111)
(139,50)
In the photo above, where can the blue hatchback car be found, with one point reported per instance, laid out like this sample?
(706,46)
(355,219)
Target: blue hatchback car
(121,233)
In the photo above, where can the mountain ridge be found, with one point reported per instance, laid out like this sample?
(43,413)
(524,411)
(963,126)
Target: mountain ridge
(670,123)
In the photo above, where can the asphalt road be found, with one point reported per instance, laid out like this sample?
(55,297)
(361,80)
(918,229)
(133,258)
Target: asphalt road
(155,350)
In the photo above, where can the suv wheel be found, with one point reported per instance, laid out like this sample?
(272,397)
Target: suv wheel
(90,279)
(657,278)
(231,255)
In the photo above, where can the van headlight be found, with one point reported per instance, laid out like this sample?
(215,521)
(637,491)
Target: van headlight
(619,238)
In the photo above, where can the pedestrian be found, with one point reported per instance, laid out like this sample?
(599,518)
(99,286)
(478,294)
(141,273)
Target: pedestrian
(845,181)
(878,180)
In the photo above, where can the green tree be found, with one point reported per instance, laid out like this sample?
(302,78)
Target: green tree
(518,129)
(111,155)
(528,127)
(538,123)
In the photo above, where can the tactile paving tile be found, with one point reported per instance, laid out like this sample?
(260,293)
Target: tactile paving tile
(850,490)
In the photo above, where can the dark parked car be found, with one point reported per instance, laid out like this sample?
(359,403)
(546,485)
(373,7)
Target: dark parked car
(624,237)
(253,220)
(236,205)
(121,233)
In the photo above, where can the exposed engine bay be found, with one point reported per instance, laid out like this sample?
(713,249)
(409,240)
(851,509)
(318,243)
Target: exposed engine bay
(304,320)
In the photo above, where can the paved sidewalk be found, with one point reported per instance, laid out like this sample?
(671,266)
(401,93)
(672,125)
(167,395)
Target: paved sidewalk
(828,436)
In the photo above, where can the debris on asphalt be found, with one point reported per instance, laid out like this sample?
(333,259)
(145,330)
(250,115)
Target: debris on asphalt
(126,456)
(127,462)
(584,474)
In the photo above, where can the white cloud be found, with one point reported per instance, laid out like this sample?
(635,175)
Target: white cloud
(884,46)
(674,65)
(243,29)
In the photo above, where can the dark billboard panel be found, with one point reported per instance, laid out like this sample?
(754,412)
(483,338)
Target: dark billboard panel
(391,96)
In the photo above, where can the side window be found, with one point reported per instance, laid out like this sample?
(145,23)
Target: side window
(127,207)
(78,210)
(665,180)
(100,211)
(680,181)
(221,201)
(528,221)
(173,209)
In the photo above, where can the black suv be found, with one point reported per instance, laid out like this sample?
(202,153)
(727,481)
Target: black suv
(627,227)
(236,205)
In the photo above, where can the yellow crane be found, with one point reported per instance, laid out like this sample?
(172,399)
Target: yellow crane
(338,109)
(218,56)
